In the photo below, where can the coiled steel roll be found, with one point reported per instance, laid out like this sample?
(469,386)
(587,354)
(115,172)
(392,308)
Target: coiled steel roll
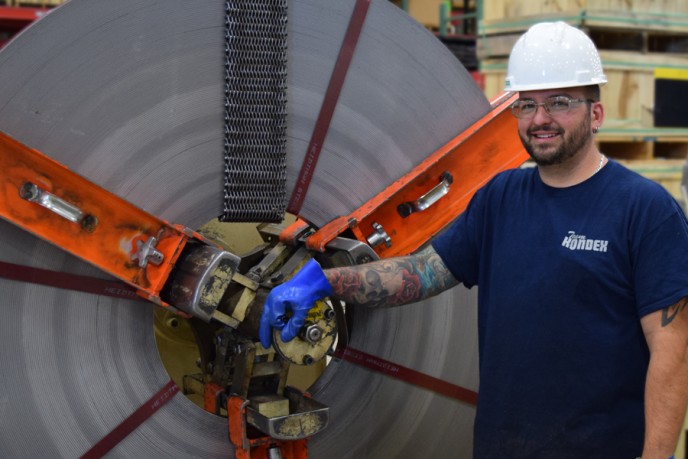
(129,94)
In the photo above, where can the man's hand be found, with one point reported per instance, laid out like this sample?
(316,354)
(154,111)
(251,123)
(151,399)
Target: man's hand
(295,297)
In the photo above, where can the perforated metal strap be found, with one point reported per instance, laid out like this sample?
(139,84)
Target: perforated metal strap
(68,281)
(408,375)
(334,87)
(255,110)
(133,421)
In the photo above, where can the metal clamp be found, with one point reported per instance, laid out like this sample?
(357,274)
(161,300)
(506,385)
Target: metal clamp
(431,197)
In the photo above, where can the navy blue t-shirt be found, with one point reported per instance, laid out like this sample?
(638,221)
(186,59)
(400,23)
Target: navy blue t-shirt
(564,276)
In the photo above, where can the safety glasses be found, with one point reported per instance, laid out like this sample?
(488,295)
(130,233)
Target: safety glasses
(556,105)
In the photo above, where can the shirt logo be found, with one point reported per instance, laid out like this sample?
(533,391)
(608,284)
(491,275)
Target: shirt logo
(575,241)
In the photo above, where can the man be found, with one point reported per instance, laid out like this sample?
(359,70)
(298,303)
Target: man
(583,274)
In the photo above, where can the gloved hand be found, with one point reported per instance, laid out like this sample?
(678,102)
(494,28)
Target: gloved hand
(297,295)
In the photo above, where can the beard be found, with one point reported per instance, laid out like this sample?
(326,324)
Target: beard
(571,143)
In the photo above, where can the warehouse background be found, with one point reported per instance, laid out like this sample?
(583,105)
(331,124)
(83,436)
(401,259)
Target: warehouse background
(643,45)
(644,49)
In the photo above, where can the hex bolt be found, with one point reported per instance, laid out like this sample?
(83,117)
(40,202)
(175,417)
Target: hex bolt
(313,334)
(329,314)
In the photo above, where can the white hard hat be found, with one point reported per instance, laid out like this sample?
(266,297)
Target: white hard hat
(553,55)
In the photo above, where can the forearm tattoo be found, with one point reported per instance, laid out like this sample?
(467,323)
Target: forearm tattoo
(670,313)
(392,282)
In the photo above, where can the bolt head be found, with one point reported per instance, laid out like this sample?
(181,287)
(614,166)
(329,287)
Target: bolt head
(28,191)
(313,334)
(89,223)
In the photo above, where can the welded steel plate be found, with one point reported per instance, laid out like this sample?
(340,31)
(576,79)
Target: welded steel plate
(129,94)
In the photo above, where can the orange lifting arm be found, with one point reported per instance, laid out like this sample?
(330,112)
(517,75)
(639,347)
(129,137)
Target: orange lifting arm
(47,199)
(402,218)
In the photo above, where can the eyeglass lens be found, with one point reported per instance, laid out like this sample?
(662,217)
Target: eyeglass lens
(527,107)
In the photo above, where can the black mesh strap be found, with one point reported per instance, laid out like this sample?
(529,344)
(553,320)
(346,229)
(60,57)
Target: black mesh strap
(255,110)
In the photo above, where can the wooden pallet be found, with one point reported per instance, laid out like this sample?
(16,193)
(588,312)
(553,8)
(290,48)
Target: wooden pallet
(614,31)
(629,148)
(499,10)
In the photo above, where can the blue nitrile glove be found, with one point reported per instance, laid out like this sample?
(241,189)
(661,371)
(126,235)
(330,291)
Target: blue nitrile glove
(297,295)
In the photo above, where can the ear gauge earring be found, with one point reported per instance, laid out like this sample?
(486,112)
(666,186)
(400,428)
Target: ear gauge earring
(595,130)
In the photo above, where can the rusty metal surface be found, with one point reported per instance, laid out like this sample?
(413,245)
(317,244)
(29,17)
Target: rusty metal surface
(129,94)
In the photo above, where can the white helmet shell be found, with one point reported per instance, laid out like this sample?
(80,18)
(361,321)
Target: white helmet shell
(553,55)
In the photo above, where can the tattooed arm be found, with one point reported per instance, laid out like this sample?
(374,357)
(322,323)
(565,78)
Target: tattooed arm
(666,389)
(392,282)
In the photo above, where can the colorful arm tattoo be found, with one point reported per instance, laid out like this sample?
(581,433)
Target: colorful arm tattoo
(392,282)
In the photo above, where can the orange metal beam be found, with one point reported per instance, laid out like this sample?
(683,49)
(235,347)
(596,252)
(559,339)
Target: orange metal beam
(489,146)
(109,232)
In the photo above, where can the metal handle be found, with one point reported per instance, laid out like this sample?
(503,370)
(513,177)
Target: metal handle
(431,197)
(32,193)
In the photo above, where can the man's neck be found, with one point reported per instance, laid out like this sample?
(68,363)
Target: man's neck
(574,171)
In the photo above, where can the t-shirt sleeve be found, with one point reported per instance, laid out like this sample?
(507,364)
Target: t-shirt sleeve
(660,257)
